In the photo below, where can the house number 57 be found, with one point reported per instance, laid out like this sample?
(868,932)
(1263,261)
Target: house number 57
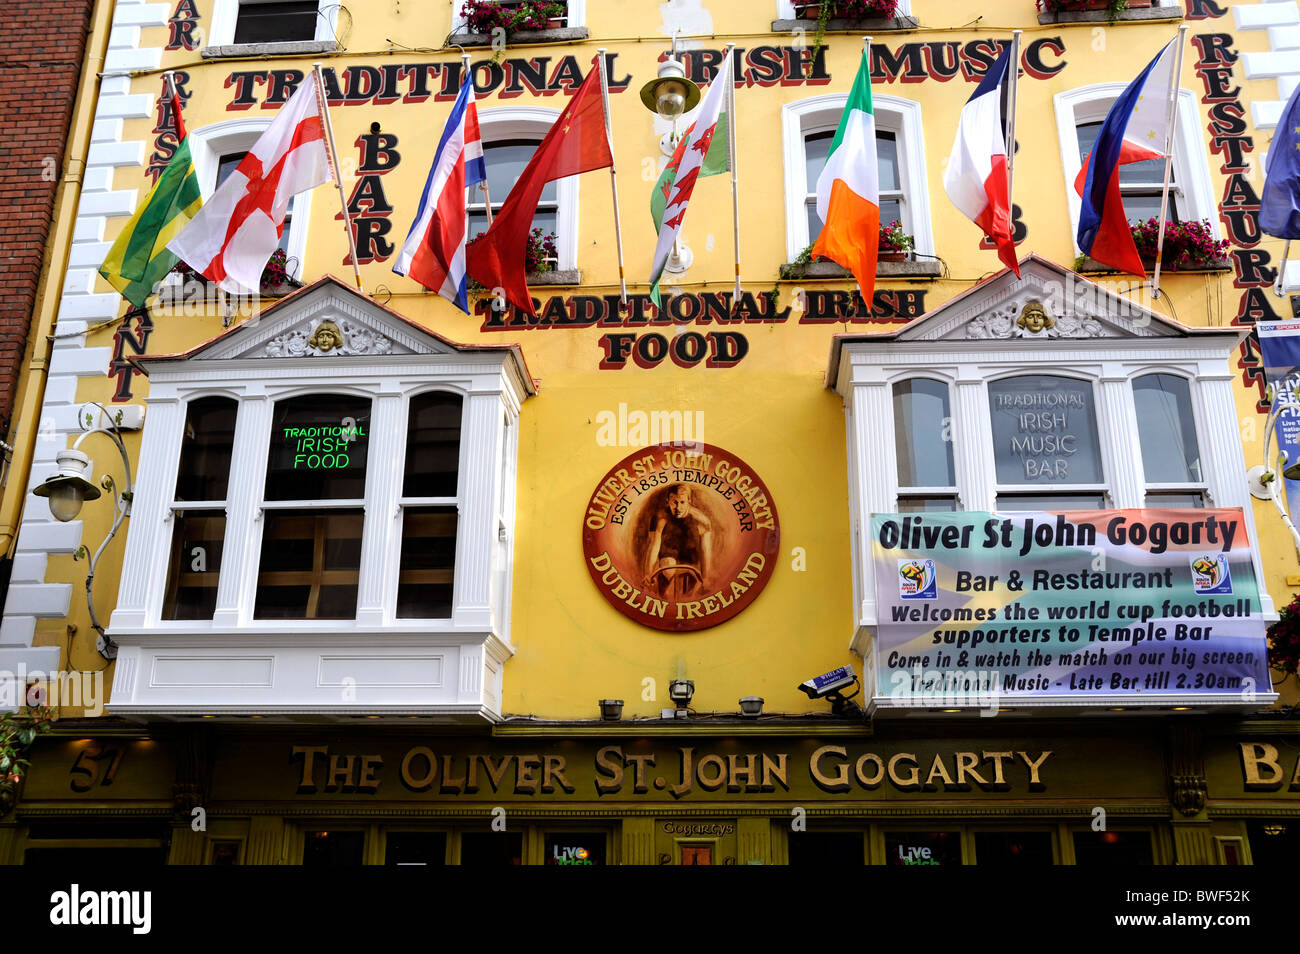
(89,766)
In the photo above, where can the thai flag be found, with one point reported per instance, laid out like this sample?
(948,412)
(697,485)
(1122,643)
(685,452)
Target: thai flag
(976,177)
(1135,129)
(434,251)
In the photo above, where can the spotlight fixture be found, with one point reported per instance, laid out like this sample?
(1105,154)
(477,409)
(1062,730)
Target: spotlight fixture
(751,706)
(611,710)
(681,691)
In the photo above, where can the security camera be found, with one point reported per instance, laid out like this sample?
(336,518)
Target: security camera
(830,686)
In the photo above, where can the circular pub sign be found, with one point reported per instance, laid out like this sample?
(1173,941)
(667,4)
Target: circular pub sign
(680,537)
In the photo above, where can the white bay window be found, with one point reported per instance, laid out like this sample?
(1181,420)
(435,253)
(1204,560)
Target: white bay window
(322,521)
(1046,393)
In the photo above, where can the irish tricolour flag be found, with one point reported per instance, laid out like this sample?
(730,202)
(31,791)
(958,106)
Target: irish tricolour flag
(701,152)
(848,190)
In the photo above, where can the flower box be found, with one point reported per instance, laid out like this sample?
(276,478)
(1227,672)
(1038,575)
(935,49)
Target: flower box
(850,10)
(1189,246)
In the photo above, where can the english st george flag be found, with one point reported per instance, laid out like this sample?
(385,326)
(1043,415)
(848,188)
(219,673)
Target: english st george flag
(701,152)
(434,252)
(235,233)
(848,189)
(976,178)
(139,259)
(1135,129)
(578,142)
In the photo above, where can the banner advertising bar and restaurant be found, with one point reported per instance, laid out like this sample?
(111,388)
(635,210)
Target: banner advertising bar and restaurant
(1082,607)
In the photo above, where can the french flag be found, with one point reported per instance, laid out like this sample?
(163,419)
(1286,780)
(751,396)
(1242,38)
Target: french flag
(1135,129)
(976,177)
(434,251)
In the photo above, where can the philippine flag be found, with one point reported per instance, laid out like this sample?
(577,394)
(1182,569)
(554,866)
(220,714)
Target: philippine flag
(1135,129)
(976,177)
(434,251)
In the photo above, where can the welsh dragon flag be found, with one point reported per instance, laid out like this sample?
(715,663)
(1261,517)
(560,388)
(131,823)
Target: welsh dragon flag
(701,152)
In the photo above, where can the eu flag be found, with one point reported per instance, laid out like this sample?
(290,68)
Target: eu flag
(1279,206)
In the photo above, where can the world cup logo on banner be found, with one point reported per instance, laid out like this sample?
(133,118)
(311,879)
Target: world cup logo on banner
(917,580)
(1210,574)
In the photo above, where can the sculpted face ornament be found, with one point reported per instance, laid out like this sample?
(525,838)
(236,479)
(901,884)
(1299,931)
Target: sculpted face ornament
(326,337)
(1035,319)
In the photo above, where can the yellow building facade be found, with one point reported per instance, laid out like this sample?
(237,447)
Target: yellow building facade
(405,661)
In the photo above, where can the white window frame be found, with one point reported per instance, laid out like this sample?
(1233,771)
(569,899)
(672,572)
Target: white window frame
(534,122)
(785,9)
(1090,104)
(209,143)
(225,16)
(577,16)
(926,491)
(893,114)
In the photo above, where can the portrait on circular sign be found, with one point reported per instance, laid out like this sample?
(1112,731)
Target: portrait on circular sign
(680,537)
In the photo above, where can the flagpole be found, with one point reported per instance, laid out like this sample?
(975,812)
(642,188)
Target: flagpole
(731,161)
(170,77)
(613,175)
(338,176)
(487,196)
(1281,271)
(1169,157)
(1010,131)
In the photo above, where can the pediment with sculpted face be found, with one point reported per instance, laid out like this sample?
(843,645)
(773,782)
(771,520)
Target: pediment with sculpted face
(1046,303)
(325,320)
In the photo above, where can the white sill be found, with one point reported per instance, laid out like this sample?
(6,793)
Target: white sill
(285,48)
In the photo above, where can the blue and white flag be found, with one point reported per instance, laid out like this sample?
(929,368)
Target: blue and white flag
(434,251)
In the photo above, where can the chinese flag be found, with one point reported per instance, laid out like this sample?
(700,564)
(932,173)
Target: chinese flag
(576,143)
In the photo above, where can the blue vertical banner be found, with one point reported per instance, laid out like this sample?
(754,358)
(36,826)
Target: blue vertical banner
(1279,347)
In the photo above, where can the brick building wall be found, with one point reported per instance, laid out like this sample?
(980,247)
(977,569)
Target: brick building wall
(42,43)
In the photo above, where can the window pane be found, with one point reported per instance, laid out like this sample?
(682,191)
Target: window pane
(424,586)
(1112,848)
(415,848)
(927,504)
(432,445)
(318,448)
(506,162)
(887,162)
(1011,503)
(922,848)
(575,848)
(1166,429)
(1147,172)
(205,449)
(197,539)
(814,221)
(276,22)
(1274,842)
(310,564)
(823,849)
(491,848)
(1140,208)
(228,164)
(921,421)
(1174,501)
(1013,848)
(1044,431)
(333,848)
(891,210)
(817,148)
